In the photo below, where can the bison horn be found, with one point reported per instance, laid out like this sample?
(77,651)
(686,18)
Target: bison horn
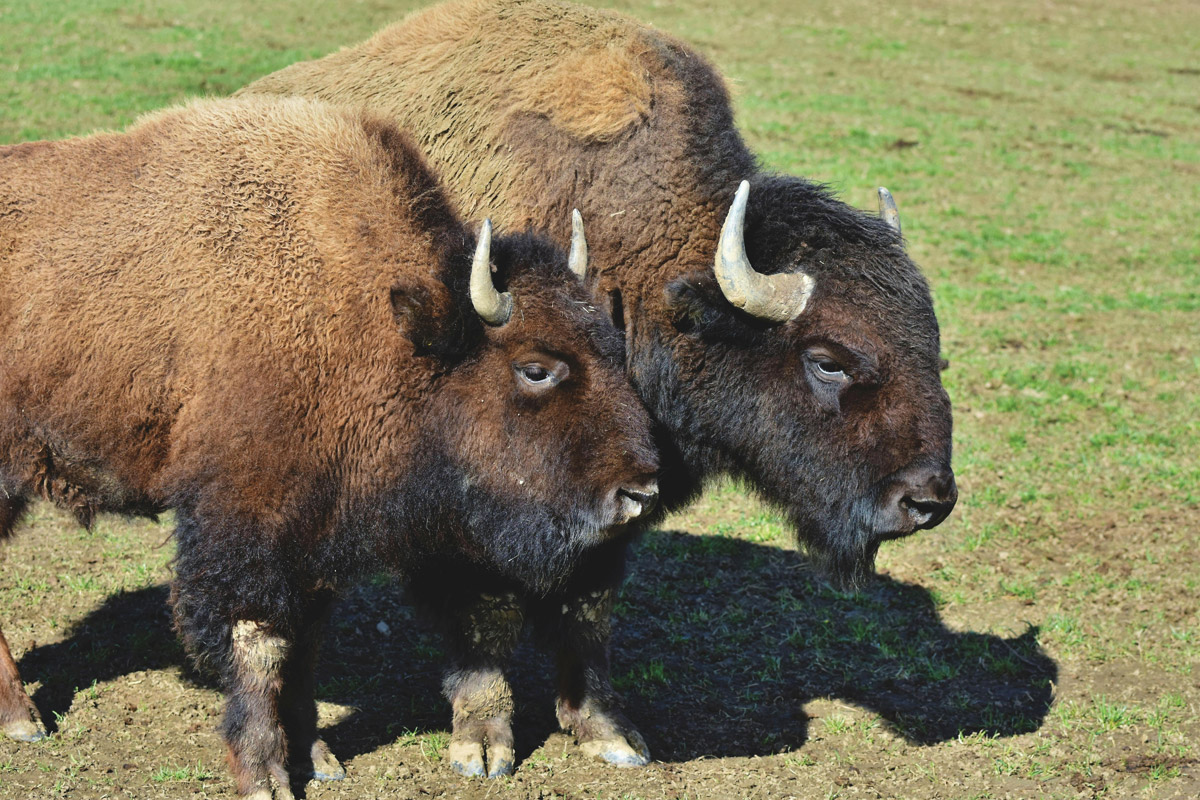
(887,209)
(577,261)
(495,308)
(778,297)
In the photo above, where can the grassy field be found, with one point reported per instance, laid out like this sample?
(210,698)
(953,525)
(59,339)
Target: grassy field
(1043,642)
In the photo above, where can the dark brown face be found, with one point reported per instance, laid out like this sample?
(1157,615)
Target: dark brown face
(542,421)
(877,404)
(837,415)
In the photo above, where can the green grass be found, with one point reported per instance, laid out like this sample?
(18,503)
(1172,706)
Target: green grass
(433,746)
(1046,164)
(180,774)
(76,66)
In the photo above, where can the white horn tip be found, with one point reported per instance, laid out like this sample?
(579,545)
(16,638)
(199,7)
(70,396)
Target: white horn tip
(888,211)
(493,307)
(578,257)
(738,208)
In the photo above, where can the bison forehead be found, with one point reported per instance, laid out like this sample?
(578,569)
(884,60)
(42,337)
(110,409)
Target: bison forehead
(865,282)
(554,310)
(881,296)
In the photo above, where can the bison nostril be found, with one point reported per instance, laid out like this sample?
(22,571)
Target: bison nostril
(920,509)
(638,500)
(927,512)
(924,496)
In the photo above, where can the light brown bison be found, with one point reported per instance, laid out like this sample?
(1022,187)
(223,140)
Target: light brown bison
(264,314)
(781,337)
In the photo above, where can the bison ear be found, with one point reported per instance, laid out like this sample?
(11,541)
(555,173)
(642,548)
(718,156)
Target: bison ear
(698,308)
(687,304)
(425,315)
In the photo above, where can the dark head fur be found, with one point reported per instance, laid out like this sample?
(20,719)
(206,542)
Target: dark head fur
(647,149)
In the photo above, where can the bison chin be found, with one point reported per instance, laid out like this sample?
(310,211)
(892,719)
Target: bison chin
(844,555)
(533,546)
(846,568)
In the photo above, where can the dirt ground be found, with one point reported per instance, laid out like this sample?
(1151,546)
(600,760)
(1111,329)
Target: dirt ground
(748,677)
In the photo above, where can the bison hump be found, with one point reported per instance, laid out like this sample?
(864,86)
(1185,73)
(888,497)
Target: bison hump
(593,95)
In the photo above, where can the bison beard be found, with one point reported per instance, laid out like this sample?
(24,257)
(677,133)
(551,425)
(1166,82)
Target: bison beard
(263,314)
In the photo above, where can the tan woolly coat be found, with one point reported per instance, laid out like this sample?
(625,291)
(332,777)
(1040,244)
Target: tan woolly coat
(190,285)
(528,107)
(205,305)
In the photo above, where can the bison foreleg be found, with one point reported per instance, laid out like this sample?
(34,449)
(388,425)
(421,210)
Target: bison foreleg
(297,704)
(588,706)
(482,634)
(19,718)
(240,615)
(252,726)
(483,707)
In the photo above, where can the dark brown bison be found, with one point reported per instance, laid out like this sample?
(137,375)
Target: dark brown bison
(264,314)
(784,338)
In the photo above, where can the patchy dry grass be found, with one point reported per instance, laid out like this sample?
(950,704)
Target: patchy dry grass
(1043,642)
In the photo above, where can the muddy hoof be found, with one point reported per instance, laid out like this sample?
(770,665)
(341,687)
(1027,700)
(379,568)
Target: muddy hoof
(325,766)
(466,758)
(500,762)
(619,752)
(468,769)
(25,730)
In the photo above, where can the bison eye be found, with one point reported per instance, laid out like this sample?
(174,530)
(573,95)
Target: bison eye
(535,373)
(829,370)
(535,376)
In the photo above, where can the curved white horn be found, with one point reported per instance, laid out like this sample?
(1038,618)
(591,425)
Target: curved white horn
(495,308)
(778,297)
(887,209)
(577,260)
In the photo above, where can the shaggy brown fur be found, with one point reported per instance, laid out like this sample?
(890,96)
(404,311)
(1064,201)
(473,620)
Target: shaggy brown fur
(838,416)
(255,312)
(465,77)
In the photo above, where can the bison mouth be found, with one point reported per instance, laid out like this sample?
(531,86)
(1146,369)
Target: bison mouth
(917,498)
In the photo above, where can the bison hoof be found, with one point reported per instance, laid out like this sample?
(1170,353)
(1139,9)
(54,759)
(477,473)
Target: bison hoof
(500,762)
(325,766)
(265,793)
(620,752)
(25,730)
(466,758)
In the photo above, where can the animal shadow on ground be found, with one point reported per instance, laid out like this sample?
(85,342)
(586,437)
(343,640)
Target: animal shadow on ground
(723,641)
(718,645)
